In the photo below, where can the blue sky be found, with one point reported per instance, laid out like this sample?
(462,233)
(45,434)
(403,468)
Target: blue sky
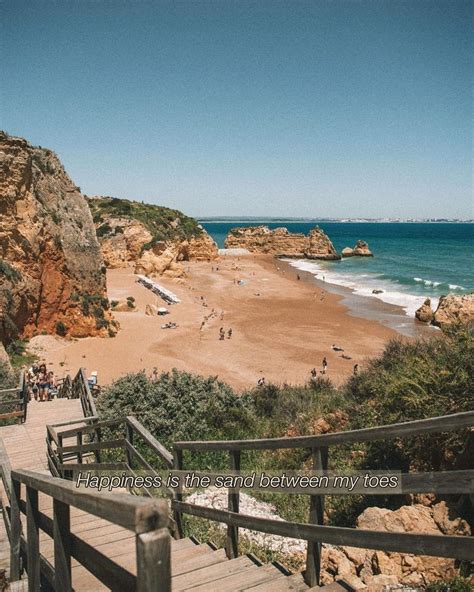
(322,108)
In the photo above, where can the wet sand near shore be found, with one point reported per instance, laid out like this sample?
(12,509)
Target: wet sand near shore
(281,328)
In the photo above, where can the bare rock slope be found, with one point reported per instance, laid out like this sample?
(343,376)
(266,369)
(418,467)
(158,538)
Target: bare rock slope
(52,275)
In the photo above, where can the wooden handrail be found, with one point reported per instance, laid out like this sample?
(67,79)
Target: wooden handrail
(445,423)
(147,518)
(458,547)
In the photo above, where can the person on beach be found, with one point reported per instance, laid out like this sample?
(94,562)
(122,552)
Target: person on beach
(43,383)
(356,369)
(221,334)
(298,276)
(261,381)
(314,374)
(229,333)
(325,365)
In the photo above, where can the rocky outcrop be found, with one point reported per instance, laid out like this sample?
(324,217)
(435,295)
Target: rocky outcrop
(370,568)
(361,249)
(282,243)
(152,239)
(425,312)
(454,310)
(320,247)
(52,275)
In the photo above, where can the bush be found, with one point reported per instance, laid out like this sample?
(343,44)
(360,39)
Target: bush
(9,272)
(179,406)
(61,328)
(457,584)
(412,381)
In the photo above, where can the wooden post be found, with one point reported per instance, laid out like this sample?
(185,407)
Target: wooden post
(62,549)
(79,443)
(232,542)
(99,438)
(178,495)
(316,516)
(154,561)
(15,525)
(129,438)
(60,455)
(32,540)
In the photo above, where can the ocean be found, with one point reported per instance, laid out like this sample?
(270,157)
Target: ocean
(412,261)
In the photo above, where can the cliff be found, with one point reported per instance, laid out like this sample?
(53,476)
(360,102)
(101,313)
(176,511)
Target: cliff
(282,243)
(52,276)
(152,238)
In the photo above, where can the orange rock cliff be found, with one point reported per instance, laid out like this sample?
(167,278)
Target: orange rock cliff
(52,274)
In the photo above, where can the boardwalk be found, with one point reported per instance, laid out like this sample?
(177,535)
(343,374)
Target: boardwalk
(197,567)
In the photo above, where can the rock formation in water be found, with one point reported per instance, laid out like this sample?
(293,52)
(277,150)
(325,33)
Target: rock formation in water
(282,243)
(361,249)
(152,239)
(52,275)
(454,310)
(425,312)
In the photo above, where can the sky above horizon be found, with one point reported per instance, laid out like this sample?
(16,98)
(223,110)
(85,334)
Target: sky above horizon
(250,108)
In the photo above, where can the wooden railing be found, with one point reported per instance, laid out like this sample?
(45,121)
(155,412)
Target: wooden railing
(315,532)
(14,401)
(78,388)
(127,442)
(147,518)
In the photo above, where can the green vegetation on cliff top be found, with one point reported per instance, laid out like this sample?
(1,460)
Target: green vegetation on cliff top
(163,223)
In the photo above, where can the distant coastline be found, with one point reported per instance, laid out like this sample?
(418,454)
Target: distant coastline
(263,220)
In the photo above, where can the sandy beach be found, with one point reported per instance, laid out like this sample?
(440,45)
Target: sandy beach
(281,328)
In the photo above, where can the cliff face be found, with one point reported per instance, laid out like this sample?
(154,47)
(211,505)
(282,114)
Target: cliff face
(282,243)
(51,267)
(153,239)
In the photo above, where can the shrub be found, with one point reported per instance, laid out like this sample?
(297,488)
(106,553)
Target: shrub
(104,229)
(179,406)
(61,328)
(114,303)
(9,272)
(457,584)
(412,381)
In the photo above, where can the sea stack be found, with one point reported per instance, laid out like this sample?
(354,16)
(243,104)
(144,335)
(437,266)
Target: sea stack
(425,312)
(280,242)
(361,249)
(52,274)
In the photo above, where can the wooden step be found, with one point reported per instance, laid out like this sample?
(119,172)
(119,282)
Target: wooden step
(244,580)
(293,583)
(205,575)
(198,562)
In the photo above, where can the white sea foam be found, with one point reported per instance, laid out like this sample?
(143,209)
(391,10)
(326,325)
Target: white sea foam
(364,284)
(456,287)
(427,282)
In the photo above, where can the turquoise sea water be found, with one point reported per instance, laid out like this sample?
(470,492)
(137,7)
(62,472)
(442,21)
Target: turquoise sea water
(411,261)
